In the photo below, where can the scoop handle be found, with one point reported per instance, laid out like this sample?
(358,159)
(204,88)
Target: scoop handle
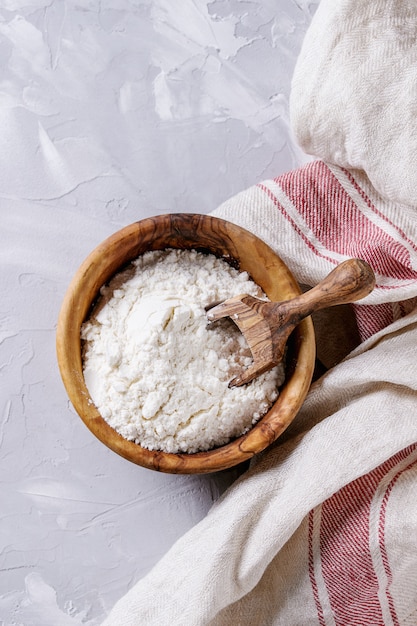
(351,280)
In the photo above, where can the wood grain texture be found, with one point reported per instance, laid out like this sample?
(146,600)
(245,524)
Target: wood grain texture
(203,233)
(267,325)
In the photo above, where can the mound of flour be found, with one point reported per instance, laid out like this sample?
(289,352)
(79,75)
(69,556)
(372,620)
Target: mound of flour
(157,371)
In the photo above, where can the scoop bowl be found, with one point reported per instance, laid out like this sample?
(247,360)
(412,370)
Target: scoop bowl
(206,234)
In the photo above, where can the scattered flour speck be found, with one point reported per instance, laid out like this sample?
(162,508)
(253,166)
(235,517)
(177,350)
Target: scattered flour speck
(157,371)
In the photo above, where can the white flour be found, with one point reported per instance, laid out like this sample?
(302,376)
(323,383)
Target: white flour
(157,371)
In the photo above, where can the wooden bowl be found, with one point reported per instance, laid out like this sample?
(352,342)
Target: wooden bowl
(207,234)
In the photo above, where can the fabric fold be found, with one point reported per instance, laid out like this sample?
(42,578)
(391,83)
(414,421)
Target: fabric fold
(364,410)
(320,531)
(352,99)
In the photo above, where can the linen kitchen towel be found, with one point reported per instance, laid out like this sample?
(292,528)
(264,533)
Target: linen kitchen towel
(321,530)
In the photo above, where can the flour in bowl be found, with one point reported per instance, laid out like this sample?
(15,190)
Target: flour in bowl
(157,371)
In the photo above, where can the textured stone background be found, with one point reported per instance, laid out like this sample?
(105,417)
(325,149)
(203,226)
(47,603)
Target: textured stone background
(111,111)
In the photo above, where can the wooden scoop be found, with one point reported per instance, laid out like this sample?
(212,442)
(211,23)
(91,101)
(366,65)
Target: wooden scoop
(266,326)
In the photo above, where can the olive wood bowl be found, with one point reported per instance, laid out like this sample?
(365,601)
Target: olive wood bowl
(207,234)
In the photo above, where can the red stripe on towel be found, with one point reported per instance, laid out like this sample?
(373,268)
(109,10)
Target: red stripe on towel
(311,571)
(372,318)
(337,222)
(296,229)
(375,210)
(382,542)
(347,565)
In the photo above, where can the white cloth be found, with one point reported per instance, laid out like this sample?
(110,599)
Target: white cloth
(354,91)
(321,530)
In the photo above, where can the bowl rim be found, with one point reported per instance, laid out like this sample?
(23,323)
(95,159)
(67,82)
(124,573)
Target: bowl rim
(132,238)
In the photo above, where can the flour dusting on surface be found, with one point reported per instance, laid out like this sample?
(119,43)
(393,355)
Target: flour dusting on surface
(157,371)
